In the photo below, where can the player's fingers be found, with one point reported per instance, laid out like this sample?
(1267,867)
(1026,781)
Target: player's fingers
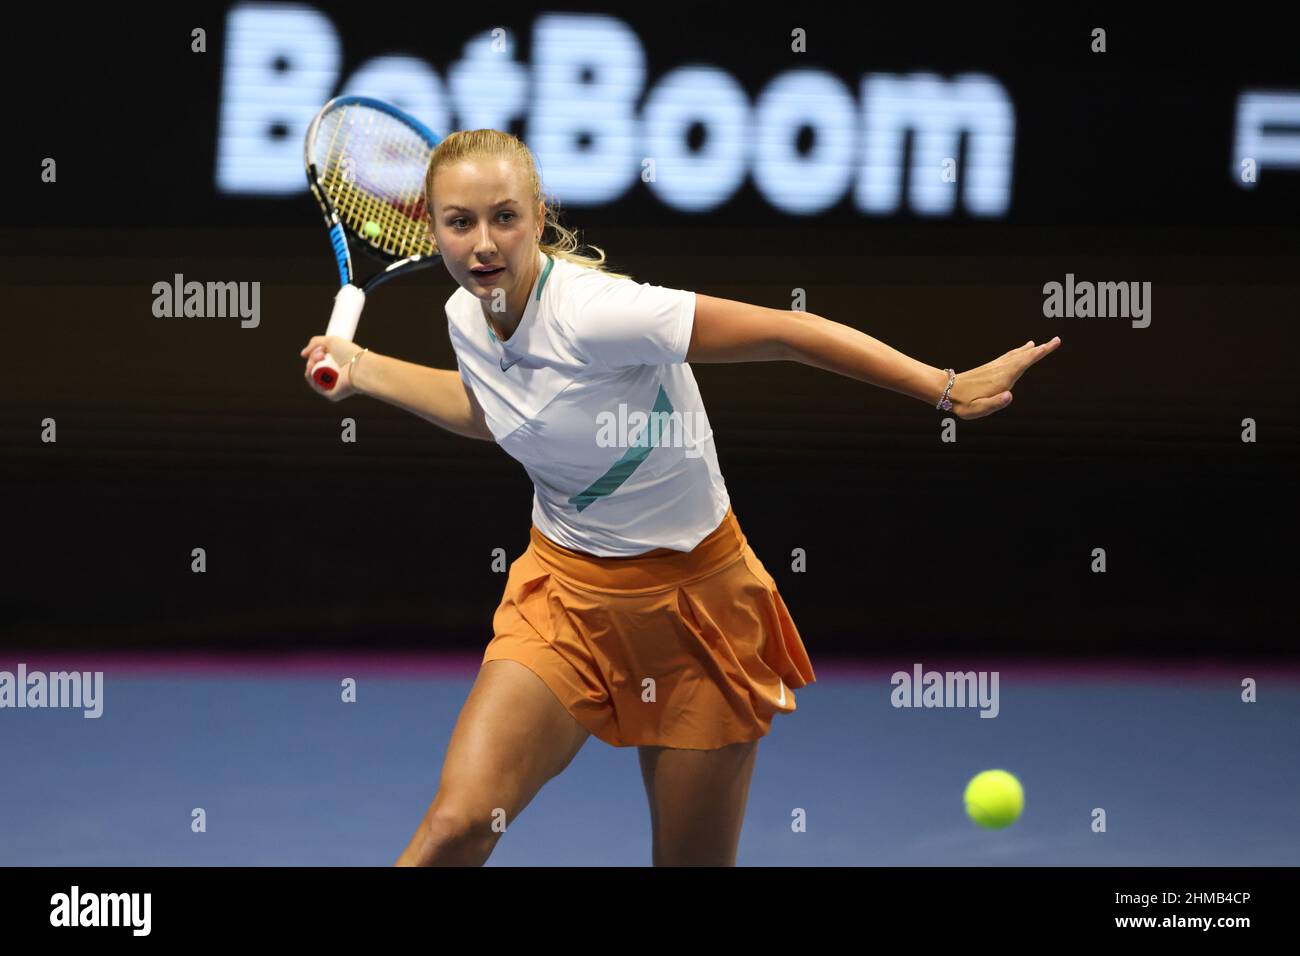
(1026,358)
(1017,352)
(1044,350)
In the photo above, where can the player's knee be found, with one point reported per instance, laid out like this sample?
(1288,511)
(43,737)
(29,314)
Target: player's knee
(455,837)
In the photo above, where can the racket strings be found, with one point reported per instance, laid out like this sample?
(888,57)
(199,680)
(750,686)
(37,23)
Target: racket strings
(372,167)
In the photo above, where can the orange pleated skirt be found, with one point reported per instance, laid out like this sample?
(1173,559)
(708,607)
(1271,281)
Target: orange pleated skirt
(693,650)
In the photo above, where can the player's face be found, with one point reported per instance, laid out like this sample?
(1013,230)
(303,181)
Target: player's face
(482,218)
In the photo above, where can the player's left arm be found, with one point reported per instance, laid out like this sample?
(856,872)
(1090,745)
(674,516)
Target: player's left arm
(728,331)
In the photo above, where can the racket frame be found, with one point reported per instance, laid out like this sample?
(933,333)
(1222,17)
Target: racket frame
(350,299)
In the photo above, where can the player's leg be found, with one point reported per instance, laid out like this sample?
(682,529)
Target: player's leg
(697,802)
(511,737)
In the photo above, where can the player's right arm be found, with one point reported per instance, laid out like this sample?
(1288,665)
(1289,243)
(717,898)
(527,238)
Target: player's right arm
(437,395)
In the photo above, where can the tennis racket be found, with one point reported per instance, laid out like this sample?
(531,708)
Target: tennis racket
(366,162)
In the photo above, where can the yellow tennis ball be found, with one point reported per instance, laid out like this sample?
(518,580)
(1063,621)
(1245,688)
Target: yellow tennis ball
(371,229)
(994,799)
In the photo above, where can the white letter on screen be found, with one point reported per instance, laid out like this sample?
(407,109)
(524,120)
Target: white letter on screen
(409,84)
(280,65)
(794,182)
(489,88)
(1257,109)
(701,180)
(937,112)
(600,110)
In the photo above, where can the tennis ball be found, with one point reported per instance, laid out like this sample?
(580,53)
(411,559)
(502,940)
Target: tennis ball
(371,229)
(994,799)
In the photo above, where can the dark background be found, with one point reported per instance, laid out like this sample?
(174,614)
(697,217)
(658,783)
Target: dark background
(183,433)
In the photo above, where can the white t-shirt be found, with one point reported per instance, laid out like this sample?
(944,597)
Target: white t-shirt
(593,396)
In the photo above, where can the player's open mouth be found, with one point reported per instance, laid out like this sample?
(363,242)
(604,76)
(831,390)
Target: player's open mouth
(487,275)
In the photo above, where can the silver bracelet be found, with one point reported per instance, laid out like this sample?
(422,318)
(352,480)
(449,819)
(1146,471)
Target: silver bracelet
(352,368)
(945,403)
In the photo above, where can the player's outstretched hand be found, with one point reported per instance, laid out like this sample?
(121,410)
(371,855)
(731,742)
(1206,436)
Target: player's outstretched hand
(342,351)
(987,389)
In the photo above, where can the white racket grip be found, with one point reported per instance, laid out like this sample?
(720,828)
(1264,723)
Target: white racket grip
(347,312)
(343,323)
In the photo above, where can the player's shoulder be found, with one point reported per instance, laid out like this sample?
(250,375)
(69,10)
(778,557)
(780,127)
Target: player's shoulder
(573,273)
(573,286)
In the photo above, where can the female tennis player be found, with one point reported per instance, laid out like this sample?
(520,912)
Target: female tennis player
(638,612)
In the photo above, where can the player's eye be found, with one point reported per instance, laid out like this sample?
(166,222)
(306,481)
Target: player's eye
(455,223)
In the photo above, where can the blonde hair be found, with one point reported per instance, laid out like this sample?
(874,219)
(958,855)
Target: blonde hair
(494,144)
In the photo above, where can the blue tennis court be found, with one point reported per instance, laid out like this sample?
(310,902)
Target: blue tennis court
(286,773)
